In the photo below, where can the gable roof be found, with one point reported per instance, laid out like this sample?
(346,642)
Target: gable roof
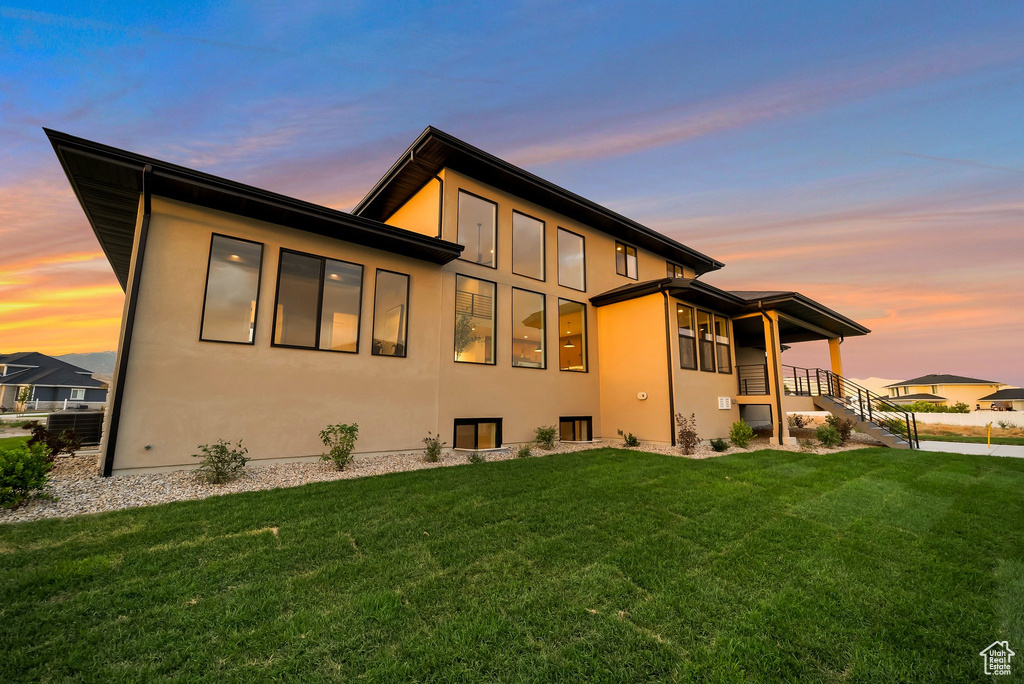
(1008,394)
(435,150)
(943,379)
(108,182)
(44,370)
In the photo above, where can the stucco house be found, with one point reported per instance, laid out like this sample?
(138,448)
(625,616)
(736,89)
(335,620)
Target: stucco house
(1006,399)
(462,296)
(30,380)
(943,389)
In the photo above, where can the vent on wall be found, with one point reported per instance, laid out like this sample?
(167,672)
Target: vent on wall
(725,402)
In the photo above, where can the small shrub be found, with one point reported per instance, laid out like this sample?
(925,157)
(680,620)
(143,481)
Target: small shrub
(960,407)
(740,434)
(629,439)
(797,421)
(57,443)
(476,457)
(340,440)
(524,451)
(1006,425)
(719,444)
(806,444)
(546,436)
(432,454)
(828,435)
(896,426)
(844,426)
(23,473)
(688,438)
(221,462)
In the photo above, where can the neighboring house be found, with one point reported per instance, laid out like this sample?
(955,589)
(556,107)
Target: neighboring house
(943,390)
(462,296)
(1006,399)
(30,380)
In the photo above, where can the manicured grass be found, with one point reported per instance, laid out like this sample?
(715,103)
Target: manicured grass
(8,442)
(871,565)
(1015,441)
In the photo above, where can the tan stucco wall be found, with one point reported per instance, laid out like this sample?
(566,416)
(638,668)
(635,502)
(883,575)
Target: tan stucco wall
(420,214)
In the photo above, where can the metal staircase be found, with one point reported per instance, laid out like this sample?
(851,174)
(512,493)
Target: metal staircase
(871,413)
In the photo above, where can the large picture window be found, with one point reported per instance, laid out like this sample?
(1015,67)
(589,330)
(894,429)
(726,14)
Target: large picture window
(232,290)
(390,313)
(474,320)
(572,260)
(575,429)
(318,303)
(477,433)
(527,246)
(625,260)
(478,221)
(722,352)
(572,336)
(705,341)
(687,337)
(529,340)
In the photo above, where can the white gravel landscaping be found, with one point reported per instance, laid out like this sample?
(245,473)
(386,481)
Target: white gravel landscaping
(77,489)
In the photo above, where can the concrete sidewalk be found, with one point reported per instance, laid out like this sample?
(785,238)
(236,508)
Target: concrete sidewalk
(972,448)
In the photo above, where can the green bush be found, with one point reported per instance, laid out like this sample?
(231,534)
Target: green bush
(476,457)
(928,407)
(896,426)
(844,426)
(23,473)
(546,435)
(828,435)
(688,438)
(221,462)
(719,444)
(340,440)
(57,443)
(740,434)
(1006,424)
(524,451)
(629,439)
(432,454)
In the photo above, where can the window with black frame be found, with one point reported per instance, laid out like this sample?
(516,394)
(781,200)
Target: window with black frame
(477,228)
(232,290)
(687,337)
(575,429)
(674,270)
(390,314)
(477,433)
(705,341)
(318,303)
(572,260)
(572,336)
(625,260)
(527,246)
(529,337)
(722,344)
(474,320)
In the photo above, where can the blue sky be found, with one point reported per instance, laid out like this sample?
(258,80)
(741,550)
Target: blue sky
(866,154)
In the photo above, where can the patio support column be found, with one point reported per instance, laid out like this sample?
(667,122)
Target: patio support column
(773,348)
(837,361)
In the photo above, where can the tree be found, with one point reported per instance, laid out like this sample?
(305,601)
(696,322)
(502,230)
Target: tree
(464,334)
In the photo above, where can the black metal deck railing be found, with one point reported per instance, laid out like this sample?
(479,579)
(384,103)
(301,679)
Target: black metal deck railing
(753,379)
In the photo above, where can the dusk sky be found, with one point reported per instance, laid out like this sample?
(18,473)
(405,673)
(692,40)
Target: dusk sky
(868,155)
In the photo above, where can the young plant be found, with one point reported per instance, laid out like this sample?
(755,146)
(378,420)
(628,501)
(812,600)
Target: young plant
(340,440)
(546,435)
(740,434)
(221,461)
(688,438)
(844,426)
(56,443)
(828,435)
(476,457)
(432,454)
(1005,424)
(629,439)
(806,444)
(719,444)
(464,335)
(23,473)
(524,451)
(797,421)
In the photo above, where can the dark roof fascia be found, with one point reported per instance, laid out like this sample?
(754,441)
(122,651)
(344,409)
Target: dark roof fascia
(195,187)
(923,396)
(689,289)
(936,379)
(775,302)
(500,173)
(1006,394)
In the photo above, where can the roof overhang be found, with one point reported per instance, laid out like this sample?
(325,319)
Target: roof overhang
(108,184)
(435,150)
(1008,394)
(802,319)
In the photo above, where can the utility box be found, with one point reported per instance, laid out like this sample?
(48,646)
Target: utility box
(88,425)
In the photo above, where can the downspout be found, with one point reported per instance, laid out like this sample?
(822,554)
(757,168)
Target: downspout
(775,370)
(668,363)
(129,325)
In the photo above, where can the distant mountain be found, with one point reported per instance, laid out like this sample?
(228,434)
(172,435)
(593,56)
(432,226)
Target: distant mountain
(100,363)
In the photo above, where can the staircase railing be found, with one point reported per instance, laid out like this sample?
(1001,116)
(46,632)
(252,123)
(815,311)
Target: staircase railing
(868,405)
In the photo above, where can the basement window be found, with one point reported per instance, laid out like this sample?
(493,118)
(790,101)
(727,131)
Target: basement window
(477,433)
(575,429)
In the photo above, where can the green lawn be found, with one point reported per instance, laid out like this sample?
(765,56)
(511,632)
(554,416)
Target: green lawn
(8,442)
(1014,441)
(872,565)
